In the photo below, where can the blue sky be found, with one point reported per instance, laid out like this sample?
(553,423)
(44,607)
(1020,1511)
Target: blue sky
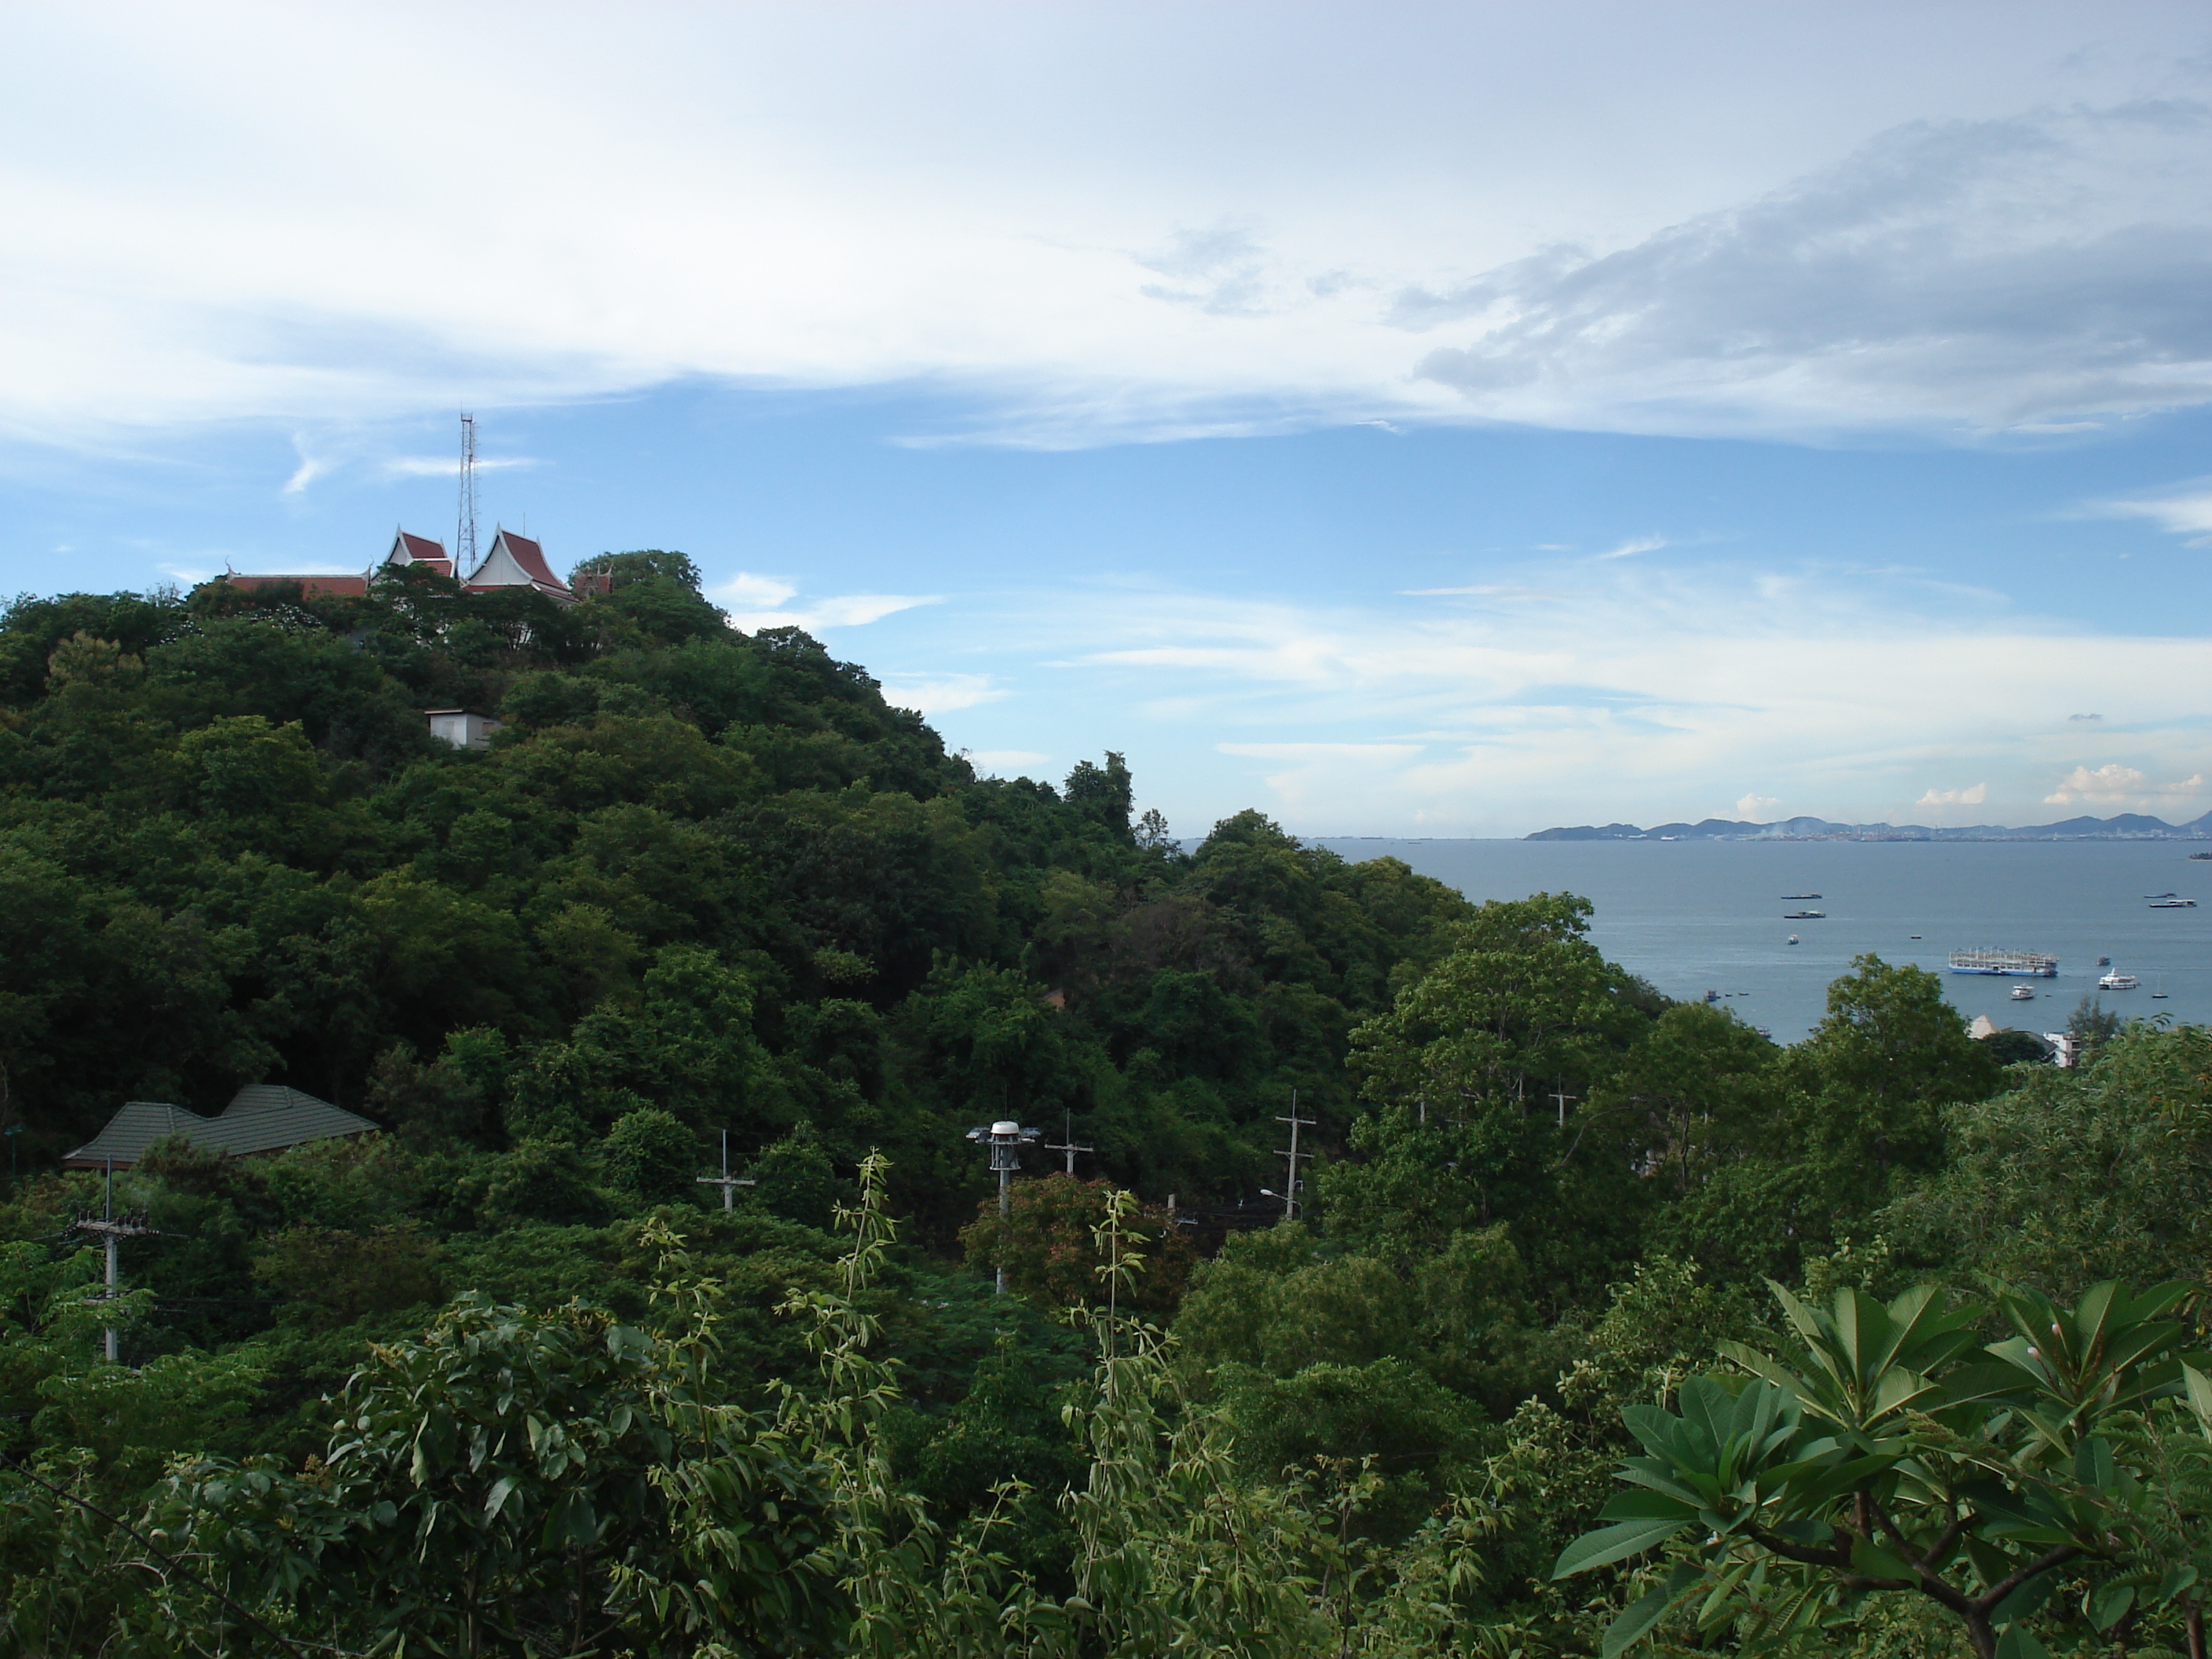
(1413,419)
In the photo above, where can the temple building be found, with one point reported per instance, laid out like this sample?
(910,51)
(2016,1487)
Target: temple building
(513,561)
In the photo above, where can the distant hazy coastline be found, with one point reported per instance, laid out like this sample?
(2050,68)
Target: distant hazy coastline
(2128,826)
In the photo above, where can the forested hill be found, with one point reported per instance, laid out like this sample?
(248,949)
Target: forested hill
(506,1380)
(698,872)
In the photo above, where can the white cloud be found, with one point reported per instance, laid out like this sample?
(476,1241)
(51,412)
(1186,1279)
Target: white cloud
(941,694)
(1634,545)
(748,591)
(1756,807)
(1116,221)
(1632,697)
(756,602)
(306,473)
(1977,796)
(449,467)
(2113,785)
(1509,591)
(2186,512)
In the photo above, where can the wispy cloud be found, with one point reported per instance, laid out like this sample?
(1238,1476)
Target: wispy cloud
(1977,796)
(449,467)
(1634,545)
(756,602)
(943,694)
(2113,785)
(1193,242)
(2185,511)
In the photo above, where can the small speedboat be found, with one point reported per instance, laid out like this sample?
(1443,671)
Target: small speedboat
(1793,939)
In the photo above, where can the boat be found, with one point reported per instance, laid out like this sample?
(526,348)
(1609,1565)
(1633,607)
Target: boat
(2159,995)
(2172,904)
(2021,993)
(1915,936)
(1713,996)
(1801,895)
(1793,939)
(2025,964)
(2157,895)
(2104,962)
(2117,981)
(1804,915)
(2201,855)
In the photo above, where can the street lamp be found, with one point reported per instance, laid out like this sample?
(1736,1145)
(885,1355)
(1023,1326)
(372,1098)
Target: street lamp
(1006,1139)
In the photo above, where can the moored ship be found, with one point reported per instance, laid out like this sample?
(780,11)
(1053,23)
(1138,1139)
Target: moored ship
(2028,964)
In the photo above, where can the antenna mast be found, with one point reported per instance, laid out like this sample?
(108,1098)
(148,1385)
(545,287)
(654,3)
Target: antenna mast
(464,534)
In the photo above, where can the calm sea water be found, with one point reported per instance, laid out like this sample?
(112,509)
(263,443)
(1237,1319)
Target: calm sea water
(1693,917)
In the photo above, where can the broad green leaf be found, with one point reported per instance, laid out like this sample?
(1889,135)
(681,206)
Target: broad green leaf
(501,1491)
(1606,1545)
(1636,1622)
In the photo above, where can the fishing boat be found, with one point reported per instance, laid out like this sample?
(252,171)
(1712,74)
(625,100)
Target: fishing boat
(2021,993)
(2104,962)
(2201,855)
(2117,981)
(1804,915)
(2024,964)
(2172,904)
(1713,996)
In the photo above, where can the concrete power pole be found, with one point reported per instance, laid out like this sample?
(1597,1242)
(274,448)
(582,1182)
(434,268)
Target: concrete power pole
(1291,1186)
(111,1230)
(728,1182)
(1068,1145)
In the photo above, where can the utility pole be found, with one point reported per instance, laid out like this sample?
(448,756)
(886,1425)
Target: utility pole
(1291,1186)
(1068,1145)
(111,1230)
(1563,1099)
(728,1182)
(1006,1139)
(464,533)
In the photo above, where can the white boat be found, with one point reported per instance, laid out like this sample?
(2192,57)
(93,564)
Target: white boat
(1793,939)
(2117,981)
(2030,964)
(2021,993)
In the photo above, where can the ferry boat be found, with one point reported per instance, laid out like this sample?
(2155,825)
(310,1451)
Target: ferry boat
(2021,993)
(2025,964)
(2117,981)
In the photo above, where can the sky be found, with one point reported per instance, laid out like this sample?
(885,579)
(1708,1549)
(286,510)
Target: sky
(1407,419)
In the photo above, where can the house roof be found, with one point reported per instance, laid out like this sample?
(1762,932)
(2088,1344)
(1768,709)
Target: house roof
(262,1117)
(517,562)
(407,549)
(351,587)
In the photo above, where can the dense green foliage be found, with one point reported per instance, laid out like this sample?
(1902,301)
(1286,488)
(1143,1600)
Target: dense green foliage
(507,1379)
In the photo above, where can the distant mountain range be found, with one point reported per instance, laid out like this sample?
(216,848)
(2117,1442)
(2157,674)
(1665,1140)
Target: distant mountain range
(2128,826)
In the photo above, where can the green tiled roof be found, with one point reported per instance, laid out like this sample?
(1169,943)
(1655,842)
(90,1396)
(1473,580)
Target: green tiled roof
(262,1117)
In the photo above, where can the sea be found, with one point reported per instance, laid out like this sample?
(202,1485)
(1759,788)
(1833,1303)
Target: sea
(1694,916)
